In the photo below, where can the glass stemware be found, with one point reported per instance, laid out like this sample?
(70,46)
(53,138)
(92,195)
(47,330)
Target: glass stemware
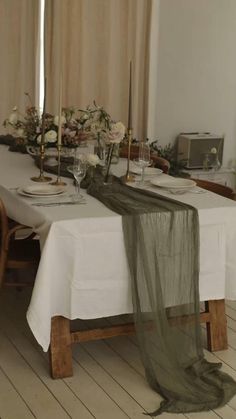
(78,170)
(143,160)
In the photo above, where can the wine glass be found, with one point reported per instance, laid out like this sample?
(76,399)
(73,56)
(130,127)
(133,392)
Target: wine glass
(78,170)
(143,160)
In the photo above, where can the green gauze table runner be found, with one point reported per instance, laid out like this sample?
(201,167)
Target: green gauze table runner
(162,245)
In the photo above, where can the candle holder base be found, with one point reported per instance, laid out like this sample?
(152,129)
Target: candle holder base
(41,178)
(128,178)
(59,182)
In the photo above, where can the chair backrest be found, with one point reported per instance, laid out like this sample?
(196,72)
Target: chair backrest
(3,234)
(159,162)
(217,188)
(3,222)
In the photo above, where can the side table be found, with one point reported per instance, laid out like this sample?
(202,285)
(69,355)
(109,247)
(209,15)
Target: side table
(224,176)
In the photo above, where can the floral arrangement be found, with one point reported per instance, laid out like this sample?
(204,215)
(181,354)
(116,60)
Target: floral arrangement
(77,126)
(28,127)
(99,123)
(107,132)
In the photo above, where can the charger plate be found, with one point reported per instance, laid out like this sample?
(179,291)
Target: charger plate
(174,183)
(41,190)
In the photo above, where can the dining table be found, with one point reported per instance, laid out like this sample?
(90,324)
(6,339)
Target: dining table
(83,271)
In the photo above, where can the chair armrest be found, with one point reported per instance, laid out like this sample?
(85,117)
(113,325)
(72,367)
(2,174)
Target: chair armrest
(11,232)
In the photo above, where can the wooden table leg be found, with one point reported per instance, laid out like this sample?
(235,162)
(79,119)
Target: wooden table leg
(60,348)
(62,338)
(217,327)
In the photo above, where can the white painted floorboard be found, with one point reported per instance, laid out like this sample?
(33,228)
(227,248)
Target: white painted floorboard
(108,381)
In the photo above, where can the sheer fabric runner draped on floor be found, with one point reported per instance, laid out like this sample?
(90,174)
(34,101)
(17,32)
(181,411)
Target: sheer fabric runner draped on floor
(162,244)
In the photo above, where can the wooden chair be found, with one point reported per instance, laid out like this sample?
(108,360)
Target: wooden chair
(15,253)
(159,162)
(217,188)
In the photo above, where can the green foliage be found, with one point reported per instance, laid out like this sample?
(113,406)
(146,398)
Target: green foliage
(168,152)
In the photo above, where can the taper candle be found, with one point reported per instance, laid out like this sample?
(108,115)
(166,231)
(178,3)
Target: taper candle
(41,177)
(130,97)
(44,112)
(60,111)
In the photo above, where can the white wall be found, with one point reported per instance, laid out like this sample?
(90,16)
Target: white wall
(196,71)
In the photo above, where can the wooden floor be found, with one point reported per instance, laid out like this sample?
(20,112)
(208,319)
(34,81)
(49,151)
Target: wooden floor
(108,380)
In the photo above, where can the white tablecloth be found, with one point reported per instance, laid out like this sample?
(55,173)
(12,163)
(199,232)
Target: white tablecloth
(83,270)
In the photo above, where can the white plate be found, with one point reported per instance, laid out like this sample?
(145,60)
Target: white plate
(21,192)
(42,190)
(175,183)
(149,171)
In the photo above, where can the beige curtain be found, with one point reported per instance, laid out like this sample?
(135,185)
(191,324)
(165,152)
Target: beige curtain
(18,46)
(91,42)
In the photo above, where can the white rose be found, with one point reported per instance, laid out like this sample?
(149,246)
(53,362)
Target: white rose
(214,150)
(56,120)
(51,136)
(13,118)
(20,132)
(92,159)
(116,134)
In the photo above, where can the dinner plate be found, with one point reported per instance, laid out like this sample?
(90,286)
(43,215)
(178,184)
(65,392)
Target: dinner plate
(174,183)
(21,192)
(149,171)
(41,190)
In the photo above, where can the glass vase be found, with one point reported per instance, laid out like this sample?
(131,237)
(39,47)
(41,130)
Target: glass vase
(206,162)
(100,148)
(216,165)
(115,154)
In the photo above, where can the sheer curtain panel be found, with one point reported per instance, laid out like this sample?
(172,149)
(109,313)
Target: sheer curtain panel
(91,43)
(19,47)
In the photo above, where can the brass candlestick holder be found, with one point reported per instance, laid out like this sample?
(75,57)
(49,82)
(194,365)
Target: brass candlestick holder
(41,177)
(59,182)
(128,176)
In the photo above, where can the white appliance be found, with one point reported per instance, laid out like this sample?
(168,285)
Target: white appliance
(192,149)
